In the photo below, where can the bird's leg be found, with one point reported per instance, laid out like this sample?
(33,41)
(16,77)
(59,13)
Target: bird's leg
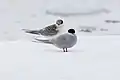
(66,50)
(63,49)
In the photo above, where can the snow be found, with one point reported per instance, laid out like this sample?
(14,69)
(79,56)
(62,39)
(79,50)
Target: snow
(94,57)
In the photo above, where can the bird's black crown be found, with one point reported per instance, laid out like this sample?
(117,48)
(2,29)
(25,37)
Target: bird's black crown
(71,31)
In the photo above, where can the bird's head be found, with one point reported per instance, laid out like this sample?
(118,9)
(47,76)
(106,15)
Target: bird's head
(59,22)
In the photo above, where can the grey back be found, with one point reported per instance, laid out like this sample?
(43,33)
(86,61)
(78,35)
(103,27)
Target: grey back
(66,40)
(49,30)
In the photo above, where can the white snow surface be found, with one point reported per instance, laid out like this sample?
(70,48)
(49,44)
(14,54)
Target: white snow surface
(94,57)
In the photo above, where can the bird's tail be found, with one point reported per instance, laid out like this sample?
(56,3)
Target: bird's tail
(32,31)
(43,41)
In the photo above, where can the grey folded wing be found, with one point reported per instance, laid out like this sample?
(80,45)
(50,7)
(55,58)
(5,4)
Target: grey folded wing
(43,41)
(47,31)
(37,32)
